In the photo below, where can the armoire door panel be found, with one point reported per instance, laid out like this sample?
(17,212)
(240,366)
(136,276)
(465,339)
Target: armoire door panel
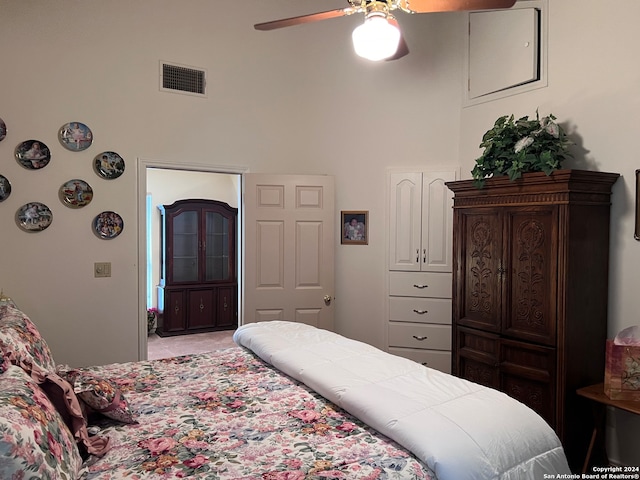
(537,395)
(226,302)
(479,345)
(201,309)
(478,372)
(482,269)
(174,317)
(532,267)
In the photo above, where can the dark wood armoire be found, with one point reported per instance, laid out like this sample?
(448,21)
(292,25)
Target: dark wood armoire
(198,282)
(530,288)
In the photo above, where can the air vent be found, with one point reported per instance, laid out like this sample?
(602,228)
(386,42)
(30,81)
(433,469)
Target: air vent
(182,79)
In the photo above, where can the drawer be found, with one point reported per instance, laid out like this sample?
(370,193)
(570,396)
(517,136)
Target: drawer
(420,284)
(420,310)
(414,335)
(438,359)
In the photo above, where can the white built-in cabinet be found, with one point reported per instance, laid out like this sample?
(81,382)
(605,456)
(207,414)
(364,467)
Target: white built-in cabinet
(420,266)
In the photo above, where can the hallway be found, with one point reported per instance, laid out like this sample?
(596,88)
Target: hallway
(163,347)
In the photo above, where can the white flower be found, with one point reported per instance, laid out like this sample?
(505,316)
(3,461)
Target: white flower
(552,129)
(523,143)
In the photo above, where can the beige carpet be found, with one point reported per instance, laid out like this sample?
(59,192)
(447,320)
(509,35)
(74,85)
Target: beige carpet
(163,347)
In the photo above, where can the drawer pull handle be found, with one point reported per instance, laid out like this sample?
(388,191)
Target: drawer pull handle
(420,312)
(420,286)
(419,338)
(425,364)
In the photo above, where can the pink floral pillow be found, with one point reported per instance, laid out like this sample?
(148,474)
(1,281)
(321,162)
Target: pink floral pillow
(100,395)
(35,441)
(21,342)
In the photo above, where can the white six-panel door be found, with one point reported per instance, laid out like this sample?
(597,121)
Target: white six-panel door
(289,248)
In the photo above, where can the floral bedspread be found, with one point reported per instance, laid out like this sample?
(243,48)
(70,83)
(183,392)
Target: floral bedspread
(228,415)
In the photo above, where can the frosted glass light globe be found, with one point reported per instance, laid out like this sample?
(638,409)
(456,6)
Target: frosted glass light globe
(376,39)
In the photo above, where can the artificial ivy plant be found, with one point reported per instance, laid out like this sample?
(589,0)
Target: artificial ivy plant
(513,147)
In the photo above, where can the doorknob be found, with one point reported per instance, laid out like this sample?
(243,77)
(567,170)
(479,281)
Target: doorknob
(327,299)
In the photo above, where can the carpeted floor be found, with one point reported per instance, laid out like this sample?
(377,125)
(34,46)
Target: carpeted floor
(163,347)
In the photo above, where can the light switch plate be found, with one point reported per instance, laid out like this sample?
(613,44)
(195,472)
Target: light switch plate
(102,269)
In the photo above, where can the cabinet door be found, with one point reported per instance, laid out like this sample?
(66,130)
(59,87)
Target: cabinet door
(420,213)
(226,307)
(479,275)
(531,276)
(183,247)
(437,222)
(528,374)
(174,316)
(218,245)
(478,357)
(202,308)
(405,220)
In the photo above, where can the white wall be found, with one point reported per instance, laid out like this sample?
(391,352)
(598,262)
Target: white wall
(290,101)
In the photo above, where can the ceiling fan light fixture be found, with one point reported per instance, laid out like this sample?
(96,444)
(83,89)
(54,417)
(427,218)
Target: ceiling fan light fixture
(376,39)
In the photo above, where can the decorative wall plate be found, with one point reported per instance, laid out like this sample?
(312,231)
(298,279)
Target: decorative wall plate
(108,225)
(34,217)
(33,154)
(75,136)
(3,130)
(108,165)
(76,193)
(5,188)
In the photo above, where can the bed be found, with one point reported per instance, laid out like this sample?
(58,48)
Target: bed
(289,402)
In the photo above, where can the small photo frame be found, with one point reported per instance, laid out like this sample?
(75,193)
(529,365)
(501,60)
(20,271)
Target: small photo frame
(354,227)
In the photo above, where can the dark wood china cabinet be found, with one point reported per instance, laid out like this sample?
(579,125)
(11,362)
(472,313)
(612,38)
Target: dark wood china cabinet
(530,288)
(198,281)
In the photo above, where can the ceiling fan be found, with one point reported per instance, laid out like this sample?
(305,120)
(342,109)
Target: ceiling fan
(379,38)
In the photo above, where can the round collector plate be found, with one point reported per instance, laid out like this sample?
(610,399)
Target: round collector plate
(108,165)
(5,188)
(108,225)
(33,154)
(75,136)
(3,130)
(34,217)
(76,193)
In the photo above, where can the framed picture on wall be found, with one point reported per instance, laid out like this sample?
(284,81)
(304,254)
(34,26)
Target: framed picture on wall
(354,227)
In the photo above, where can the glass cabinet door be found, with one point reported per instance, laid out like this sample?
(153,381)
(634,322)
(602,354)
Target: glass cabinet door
(185,247)
(216,248)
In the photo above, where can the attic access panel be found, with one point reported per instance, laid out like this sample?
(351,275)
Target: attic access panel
(506,51)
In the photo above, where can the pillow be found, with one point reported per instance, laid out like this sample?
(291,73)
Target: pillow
(100,395)
(21,342)
(63,398)
(35,442)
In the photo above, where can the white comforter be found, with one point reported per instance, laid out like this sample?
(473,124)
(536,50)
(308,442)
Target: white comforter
(460,429)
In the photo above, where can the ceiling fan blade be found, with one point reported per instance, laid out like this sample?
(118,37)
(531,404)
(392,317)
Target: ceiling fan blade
(403,48)
(427,6)
(314,17)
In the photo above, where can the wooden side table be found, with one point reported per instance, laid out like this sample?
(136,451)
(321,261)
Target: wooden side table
(600,399)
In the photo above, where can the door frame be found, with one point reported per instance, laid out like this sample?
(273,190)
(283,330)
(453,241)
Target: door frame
(141,184)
